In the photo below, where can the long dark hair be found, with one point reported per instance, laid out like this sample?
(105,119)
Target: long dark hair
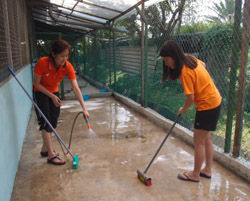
(171,49)
(58,47)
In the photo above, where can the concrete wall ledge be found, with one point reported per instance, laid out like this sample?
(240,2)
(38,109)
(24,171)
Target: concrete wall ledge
(95,83)
(93,95)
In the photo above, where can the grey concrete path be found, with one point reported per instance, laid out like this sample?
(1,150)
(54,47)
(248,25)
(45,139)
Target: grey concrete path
(120,142)
(85,87)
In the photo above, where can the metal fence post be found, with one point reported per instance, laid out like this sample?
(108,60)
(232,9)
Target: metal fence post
(114,55)
(107,60)
(62,83)
(233,75)
(95,53)
(144,57)
(146,65)
(84,55)
(78,56)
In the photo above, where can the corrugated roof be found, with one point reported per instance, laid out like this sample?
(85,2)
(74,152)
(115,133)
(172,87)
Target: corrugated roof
(83,15)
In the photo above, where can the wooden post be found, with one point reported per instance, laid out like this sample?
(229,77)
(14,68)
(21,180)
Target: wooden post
(242,82)
(233,75)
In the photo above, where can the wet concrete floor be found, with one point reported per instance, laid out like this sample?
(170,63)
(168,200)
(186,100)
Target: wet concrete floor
(120,142)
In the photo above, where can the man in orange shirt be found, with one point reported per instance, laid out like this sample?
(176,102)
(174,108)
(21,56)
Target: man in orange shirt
(48,73)
(200,89)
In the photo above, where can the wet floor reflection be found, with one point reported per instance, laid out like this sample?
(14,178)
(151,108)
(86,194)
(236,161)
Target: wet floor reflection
(120,142)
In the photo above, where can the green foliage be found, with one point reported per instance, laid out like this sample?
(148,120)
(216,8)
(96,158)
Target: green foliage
(224,12)
(247,103)
(195,27)
(218,41)
(216,51)
(129,85)
(162,19)
(131,25)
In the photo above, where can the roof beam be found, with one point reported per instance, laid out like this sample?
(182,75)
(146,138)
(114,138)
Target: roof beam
(73,17)
(80,19)
(67,27)
(128,10)
(73,23)
(72,10)
(37,15)
(95,5)
(44,3)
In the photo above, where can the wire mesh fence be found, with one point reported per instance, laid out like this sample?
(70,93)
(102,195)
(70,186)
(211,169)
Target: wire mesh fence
(14,42)
(127,61)
(119,60)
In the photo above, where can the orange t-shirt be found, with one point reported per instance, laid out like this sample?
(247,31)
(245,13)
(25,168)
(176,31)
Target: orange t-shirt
(198,82)
(50,77)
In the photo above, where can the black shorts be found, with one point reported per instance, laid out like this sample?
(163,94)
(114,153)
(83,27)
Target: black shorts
(48,108)
(207,119)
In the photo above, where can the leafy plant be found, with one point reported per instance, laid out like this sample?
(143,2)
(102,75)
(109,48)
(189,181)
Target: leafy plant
(224,12)
(195,27)
(216,52)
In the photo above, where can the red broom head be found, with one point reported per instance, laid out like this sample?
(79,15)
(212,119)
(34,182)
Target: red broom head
(146,180)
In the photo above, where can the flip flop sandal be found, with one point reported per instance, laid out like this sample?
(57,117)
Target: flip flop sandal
(187,178)
(205,176)
(46,154)
(51,161)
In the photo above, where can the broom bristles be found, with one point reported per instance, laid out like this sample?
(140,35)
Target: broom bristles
(146,180)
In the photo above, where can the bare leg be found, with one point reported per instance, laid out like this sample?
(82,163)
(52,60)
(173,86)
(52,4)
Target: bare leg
(44,147)
(199,150)
(208,155)
(47,142)
(200,138)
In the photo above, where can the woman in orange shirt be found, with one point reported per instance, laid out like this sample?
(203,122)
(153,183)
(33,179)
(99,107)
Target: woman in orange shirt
(48,73)
(199,89)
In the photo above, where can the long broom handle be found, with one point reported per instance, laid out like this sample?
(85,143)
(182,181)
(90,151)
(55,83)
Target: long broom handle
(162,144)
(41,113)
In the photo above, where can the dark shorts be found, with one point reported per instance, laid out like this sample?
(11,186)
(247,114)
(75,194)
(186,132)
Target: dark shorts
(48,108)
(207,119)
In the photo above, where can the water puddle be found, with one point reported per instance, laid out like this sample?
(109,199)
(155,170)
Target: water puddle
(124,162)
(69,104)
(160,158)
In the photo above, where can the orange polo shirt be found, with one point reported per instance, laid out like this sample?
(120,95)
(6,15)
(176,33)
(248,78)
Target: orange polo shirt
(50,77)
(199,83)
